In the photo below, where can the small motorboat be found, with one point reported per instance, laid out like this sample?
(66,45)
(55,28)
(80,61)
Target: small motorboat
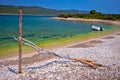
(97,28)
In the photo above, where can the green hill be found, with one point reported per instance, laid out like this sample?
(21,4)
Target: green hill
(36,10)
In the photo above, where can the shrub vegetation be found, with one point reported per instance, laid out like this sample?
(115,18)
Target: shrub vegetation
(92,15)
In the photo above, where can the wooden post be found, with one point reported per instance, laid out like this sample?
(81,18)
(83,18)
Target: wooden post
(20,41)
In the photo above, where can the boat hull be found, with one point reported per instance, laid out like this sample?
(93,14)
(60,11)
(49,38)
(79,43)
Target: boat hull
(97,28)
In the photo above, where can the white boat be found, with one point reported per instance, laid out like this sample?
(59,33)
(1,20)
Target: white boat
(97,28)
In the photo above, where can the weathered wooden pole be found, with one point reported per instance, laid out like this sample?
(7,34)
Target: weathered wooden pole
(20,41)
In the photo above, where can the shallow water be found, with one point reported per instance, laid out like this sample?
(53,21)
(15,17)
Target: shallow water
(41,28)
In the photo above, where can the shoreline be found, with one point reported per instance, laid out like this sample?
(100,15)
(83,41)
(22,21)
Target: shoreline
(55,47)
(105,50)
(73,41)
(90,20)
(62,43)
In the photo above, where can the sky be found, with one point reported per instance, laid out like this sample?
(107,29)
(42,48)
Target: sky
(103,6)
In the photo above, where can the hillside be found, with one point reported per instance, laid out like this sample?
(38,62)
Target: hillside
(37,10)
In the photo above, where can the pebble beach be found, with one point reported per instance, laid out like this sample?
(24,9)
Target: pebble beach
(105,50)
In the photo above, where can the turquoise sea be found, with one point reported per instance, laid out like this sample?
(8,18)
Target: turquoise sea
(41,28)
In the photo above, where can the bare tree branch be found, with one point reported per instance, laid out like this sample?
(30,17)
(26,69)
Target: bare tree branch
(89,62)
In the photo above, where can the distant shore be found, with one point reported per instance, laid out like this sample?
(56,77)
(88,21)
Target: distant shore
(26,14)
(90,20)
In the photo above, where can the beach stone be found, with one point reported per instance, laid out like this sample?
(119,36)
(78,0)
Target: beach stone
(106,53)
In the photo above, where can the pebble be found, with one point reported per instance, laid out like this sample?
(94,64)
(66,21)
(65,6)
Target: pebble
(106,54)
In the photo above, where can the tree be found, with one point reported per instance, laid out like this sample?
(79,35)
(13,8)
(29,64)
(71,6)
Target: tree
(93,12)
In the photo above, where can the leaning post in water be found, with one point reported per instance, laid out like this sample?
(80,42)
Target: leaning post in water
(20,42)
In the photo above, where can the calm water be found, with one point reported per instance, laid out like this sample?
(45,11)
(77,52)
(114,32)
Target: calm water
(39,28)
